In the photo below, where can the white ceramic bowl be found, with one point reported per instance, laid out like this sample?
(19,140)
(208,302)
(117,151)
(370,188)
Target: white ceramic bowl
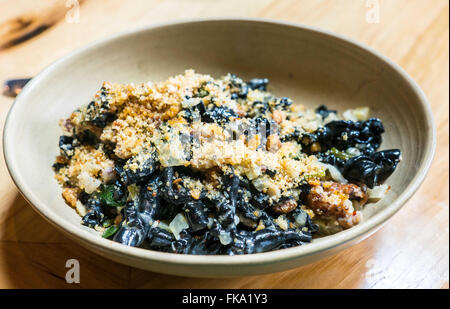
(309,65)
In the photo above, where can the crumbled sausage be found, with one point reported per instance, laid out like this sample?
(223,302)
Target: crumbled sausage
(285,206)
(331,199)
(354,192)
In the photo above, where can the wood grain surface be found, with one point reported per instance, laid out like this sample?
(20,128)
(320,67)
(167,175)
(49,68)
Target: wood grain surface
(411,251)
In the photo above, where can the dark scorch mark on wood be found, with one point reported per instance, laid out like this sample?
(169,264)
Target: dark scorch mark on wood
(22,28)
(26,36)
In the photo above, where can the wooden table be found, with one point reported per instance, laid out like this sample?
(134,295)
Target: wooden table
(412,251)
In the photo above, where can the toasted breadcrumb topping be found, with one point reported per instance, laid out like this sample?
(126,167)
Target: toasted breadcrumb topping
(148,117)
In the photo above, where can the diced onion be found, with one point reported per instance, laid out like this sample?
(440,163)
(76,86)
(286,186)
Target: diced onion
(236,220)
(281,222)
(361,113)
(357,114)
(81,209)
(133,191)
(353,151)
(225,238)
(348,115)
(335,174)
(163,226)
(210,223)
(173,153)
(178,224)
(378,192)
(190,102)
(301,218)
(89,183)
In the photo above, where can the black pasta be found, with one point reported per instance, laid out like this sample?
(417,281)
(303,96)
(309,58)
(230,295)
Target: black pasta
(323,111)
(95,215)
(196,215)
(150,200)
(264,240)
(134,228)
(67,145)
(341,134)
(258,83)
(372,169)
(178,195)
(144,171)
(103,119)
(218,114)
(158,237)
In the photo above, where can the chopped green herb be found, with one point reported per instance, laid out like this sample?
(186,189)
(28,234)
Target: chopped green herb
(318,175)
(106,195)
(340,154)
(107,222)
(110,231)
(201,92)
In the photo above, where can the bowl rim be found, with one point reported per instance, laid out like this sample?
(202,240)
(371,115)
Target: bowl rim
(326,243)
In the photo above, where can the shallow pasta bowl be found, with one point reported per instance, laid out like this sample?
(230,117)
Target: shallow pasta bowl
(309,65)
